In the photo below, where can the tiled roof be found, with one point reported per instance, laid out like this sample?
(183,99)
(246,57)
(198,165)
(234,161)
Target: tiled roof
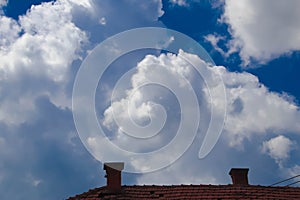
(216,192)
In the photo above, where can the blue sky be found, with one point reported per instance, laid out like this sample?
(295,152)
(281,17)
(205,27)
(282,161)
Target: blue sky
(254,44)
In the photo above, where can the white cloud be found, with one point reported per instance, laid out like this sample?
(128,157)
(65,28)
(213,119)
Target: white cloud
(252,108)
(3,3)
(135,105)
(52,37)
(253,111)
(278,148)
(8,33)
(33,180)
(263,30)
(144,13)
(84,3)
(159,7)
(139,112)
(179,2)
(49,44)
(294,171)
(214,40)
(43,52)
(37,51)
(138,105)
(102,21)
(39,55)
(36,59)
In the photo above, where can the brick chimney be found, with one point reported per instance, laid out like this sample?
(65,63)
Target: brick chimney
(239,176)
(113,175)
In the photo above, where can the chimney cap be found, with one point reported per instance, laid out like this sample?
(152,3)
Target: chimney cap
(119,166)
(238,170)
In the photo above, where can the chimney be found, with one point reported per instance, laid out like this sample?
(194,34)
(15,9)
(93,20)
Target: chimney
(239,176)
(113,175)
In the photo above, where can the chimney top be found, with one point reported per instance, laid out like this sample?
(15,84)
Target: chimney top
(113,176)
(239,176)
(114,165)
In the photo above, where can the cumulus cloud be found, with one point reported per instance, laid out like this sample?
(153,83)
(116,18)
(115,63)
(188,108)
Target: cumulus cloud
(40,47)
(39,55)
(142,110)
(44,43)
(252,110)
(263,30)
(9,32)
(278,148)
(134,106)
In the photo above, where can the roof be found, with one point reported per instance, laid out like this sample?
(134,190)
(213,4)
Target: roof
(216,192)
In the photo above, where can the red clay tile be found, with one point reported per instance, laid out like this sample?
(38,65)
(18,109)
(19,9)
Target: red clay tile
(209,192)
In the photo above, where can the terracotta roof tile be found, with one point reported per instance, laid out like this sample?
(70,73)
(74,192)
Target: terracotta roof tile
(209,192)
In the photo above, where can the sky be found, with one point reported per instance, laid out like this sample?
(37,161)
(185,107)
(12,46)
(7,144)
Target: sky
(252,86)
